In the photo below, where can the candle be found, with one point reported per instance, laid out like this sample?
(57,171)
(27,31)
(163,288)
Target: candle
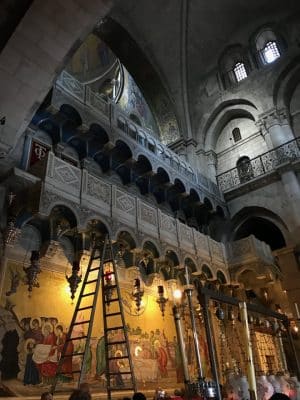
(297,311)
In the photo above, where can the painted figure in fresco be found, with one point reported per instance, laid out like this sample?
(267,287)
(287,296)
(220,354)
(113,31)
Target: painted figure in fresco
(100,355)
(35,331)
(152,346)
(114,366)
(66,368)
(162,359)
(31,374)
(45,354)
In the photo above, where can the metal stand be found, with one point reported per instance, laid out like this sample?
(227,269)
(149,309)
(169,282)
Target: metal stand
(180,340)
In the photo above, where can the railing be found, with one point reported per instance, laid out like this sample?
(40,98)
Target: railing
(141,135)
(258,166)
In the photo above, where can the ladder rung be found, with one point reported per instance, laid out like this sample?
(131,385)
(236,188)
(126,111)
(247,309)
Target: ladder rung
(111,300)
(120,373)
(88,294)
(109,287)
(115,328)
(118,358)
(76,338)
(96,258)
(118,342)
(78,371)
(92,281)
(84,308)
(94,269)
(81,322)
(113,314)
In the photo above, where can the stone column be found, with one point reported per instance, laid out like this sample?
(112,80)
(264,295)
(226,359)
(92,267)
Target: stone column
(278,129)
(191,152)
(292,189)
(211,165)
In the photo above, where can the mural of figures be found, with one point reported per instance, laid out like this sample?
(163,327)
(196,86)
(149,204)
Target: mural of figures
(31,374)
(66,368)
(100,354)
(134,104)
(37,342)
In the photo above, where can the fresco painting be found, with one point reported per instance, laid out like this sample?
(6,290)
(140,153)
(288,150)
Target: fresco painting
(36,341)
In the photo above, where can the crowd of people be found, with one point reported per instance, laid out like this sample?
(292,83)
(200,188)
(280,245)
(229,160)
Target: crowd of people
(83,393)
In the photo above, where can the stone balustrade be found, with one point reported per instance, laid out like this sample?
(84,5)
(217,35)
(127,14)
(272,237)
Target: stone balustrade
(260,166)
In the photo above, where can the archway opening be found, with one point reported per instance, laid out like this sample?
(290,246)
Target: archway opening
(262,229)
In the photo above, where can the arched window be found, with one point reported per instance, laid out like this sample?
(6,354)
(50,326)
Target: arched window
(236,134)
(270,52)
(240,71)
(244,168)
(269,46)
(234,65)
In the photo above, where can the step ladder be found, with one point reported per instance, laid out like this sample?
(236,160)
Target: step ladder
(119,367)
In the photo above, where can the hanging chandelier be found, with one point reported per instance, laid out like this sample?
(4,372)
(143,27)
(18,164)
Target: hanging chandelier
(74,279)
(137,293)
(12,232)
(31,278)
(161,300)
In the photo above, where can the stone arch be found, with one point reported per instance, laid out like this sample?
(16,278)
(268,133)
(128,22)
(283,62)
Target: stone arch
(223,114)
(208,204)
(191,264)
(97,136)
(126,243)
(173,256)
(50,127)
(152,246)
(127,236)
(207,271)
(71,114)
(102,224)
(169,269)
(120,156)
(220,212)
(261,216)
(144,161)
(286,83)
(222,276)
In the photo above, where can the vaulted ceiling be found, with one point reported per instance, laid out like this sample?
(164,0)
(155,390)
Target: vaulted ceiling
(172,37)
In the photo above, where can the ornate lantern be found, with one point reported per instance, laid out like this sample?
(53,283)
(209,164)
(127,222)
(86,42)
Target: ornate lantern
(32,271)
(74,279)
(161,300)
(108,284)
(12,232)
(137,293)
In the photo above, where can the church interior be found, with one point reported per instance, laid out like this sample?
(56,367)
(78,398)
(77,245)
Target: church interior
(150,197)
